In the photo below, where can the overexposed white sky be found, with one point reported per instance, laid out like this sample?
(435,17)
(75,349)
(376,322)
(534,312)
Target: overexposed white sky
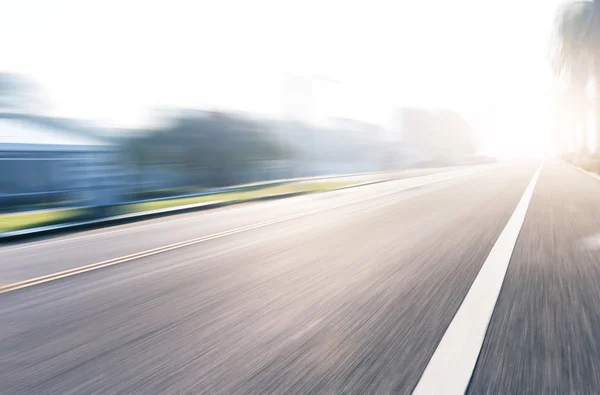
(113,60)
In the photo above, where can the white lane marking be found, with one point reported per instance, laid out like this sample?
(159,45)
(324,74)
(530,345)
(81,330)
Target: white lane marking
(197,240)
(451,366)
(591,242)
(133,229)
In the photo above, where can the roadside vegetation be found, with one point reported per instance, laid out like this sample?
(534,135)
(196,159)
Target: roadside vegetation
(309,187)
(19,221)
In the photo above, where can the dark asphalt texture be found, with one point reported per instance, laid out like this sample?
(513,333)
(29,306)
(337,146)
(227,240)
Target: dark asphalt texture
(544,336)
(352,300)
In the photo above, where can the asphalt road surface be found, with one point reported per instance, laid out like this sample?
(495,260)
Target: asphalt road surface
(359,291)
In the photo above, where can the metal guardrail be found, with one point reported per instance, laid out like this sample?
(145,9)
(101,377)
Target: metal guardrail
(125,218)
(247,187)
(210,191)
(12,235)
(252,186)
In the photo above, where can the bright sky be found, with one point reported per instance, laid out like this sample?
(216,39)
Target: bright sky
(113,60)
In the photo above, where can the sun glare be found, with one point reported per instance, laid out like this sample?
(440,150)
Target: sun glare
(517,131)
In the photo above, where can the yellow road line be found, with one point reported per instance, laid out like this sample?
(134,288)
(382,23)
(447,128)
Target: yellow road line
(158,250)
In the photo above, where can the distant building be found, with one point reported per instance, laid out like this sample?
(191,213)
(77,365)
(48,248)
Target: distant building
(341,146)
(428,137)
(45,159)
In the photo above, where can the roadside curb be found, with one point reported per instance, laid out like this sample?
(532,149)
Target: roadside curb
(589,173)
(144,215)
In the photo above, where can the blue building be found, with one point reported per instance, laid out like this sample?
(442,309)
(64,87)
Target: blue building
(47,160)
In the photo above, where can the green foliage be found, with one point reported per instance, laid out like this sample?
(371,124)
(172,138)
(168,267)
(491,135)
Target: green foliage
(301,187)
(12,222)
(209,145)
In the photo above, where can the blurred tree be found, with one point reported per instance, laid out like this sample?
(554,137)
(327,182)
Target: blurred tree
(577,61)
(213,149)
(18,94)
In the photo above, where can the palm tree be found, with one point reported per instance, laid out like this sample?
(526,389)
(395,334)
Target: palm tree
(577,62)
